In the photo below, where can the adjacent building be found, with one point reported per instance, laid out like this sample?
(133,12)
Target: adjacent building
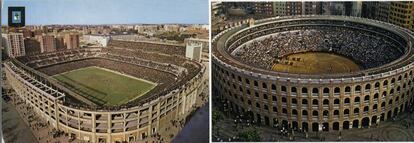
(263,8)
(60,44)
(32,46)
(100,40)
(194,50)
(279,8)
(312,8)
(402,14)
(71,41)
(47,43)
(14,45)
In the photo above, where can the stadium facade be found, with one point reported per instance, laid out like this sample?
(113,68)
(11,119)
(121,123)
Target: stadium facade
(314,102)
(180,82)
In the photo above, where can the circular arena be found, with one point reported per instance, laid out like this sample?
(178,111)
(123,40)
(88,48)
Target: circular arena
(314,73)
(82,91)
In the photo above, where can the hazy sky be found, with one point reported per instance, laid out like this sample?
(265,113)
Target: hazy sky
(111,11)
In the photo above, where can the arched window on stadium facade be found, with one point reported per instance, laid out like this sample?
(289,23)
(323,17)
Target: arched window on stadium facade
(366,99)
(366,109)
(315,102)
(336,112)
(347,101)
(274,99)
(284,111)
(337,90)
(358,89)
(356,111)
(283,88)
(304,90)
(347,89)
(326,91)
(374,108)
(346,112)
(325,102)
(336,101)
(293,90)
(325,113)
(377,85)
(367,87)
(315,91)
(305,101)
(315,113)
(357,100)
(294,101)
(294,112)
(274,87)
(304,113)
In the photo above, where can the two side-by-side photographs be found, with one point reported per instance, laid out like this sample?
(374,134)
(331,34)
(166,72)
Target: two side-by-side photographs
(201,71)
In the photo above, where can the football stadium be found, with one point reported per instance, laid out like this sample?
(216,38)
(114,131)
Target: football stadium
(314,73)
(120,93)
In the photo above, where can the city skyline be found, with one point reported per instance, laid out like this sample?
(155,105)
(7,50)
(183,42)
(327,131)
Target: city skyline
(101,12)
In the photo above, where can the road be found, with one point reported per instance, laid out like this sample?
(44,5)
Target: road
(196,129)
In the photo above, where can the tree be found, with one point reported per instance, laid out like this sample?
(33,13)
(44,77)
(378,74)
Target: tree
(216,117)
(250,135)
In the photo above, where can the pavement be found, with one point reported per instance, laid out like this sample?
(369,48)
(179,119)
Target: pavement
(14,128)
(386,131)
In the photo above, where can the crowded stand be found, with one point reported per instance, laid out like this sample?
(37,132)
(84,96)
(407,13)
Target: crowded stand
(369,49)
(150,47)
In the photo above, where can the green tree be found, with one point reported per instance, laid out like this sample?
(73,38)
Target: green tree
(250,135)
(216,116)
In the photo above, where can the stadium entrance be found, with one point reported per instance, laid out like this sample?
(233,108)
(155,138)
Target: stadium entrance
(315,63)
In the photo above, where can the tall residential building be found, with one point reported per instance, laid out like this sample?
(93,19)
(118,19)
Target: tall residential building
(312,8)
(333,8)
(27,33)
(32,46)
(376,10)
(263,8)
(279,8)
(383,11)
(14,44)
(356,8)
(71,41)
(47,43)
(402,14)
(293,8)
(60,45)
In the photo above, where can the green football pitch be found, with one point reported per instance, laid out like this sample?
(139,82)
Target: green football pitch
(104,86)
